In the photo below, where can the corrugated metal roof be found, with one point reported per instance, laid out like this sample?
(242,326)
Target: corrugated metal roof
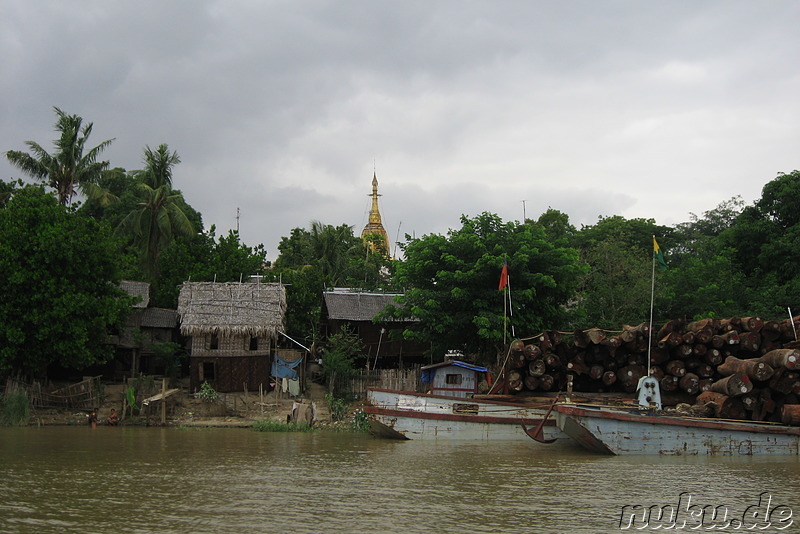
(354,306)
(140,290)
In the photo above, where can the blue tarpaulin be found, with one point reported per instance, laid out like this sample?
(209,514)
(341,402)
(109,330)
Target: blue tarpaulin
(283,369)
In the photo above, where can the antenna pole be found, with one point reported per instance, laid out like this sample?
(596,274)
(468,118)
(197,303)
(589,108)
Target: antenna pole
(397,239)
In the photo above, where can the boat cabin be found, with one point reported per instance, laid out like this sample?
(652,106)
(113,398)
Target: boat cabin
(455,378)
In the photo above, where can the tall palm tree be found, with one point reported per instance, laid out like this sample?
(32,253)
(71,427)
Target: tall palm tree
(333,247)
(158,218)
(68,167)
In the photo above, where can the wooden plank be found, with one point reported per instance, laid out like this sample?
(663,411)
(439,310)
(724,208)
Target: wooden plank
(160,396)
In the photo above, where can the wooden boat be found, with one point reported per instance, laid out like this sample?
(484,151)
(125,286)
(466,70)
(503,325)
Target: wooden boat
(618,430)
(409,415)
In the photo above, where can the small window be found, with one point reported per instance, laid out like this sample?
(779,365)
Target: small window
(214,343)
(452,379)
(253,343)
(208,371)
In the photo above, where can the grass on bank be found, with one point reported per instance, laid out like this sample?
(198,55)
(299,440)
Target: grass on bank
(277,426)
(15,409)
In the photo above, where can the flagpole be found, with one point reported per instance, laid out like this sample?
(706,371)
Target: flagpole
(652,296)
(505,317)
(510,308)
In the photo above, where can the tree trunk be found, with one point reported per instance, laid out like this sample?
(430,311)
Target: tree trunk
(755,369)
(733,385)
(788,358)
(724,406)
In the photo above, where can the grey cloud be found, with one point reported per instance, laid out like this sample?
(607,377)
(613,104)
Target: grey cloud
(651,109)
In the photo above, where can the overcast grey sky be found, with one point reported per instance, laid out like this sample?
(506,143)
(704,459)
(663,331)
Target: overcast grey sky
(283,108)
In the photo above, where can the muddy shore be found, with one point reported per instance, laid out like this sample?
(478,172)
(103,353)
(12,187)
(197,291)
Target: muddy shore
(239,409)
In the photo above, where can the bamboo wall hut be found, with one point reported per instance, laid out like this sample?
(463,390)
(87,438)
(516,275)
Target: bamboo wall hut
(357,310)
(233,328)
(145,327)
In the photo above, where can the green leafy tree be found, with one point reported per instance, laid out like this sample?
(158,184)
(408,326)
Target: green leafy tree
(159,217)
(452,284)
(616,288)
(7,190)
(341,351)
(323,256)
(333,248)
(703,279)
(205,258)
(61,294)
(764,240)
(303,301)
(71,165)
(634,233)
(556,225)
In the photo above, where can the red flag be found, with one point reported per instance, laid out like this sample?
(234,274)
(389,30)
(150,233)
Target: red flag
(503,277)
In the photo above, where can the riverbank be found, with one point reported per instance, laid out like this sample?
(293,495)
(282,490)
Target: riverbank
(230,410)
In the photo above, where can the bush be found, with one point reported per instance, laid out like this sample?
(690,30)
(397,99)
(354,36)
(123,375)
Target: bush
(15,410)
(338,407)
(207,393)
(360,421)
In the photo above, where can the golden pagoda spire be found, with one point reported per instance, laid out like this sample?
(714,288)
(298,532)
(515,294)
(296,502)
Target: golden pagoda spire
(375,226)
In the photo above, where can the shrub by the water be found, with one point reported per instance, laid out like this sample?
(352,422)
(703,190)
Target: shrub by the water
(14,410)
(207,393)
(338,407)
(277,426)
(360,421)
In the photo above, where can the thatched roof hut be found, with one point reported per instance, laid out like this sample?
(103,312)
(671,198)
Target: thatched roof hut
(232,308)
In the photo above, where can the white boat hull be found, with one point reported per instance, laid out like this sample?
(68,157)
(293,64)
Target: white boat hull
(407,415)
(627,432)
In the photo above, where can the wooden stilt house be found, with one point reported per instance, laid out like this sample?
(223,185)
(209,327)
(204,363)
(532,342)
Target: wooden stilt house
(145,328)
(357,310)
(233,329)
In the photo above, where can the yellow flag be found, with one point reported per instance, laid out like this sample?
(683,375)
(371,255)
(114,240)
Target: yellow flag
(658,255)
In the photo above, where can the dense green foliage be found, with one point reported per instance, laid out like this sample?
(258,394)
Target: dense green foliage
(61,265)
(204,258)
(14,409)
(341,352)
(158,217)
(452,284)
(323,256)
(60,294)
(616,289)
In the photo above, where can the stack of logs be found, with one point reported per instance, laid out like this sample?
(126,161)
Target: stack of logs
(738,368)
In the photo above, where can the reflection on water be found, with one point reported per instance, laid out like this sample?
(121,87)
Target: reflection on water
(142,480)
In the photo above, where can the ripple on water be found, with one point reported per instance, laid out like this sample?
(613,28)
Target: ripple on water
(66,479)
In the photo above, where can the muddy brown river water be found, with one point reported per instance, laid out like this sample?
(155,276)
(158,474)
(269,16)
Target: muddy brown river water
(170,480)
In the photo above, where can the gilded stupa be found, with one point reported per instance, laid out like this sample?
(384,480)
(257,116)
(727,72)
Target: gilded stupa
(375,226)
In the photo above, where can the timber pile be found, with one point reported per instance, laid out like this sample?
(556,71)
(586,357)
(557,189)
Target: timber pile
(742,368)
